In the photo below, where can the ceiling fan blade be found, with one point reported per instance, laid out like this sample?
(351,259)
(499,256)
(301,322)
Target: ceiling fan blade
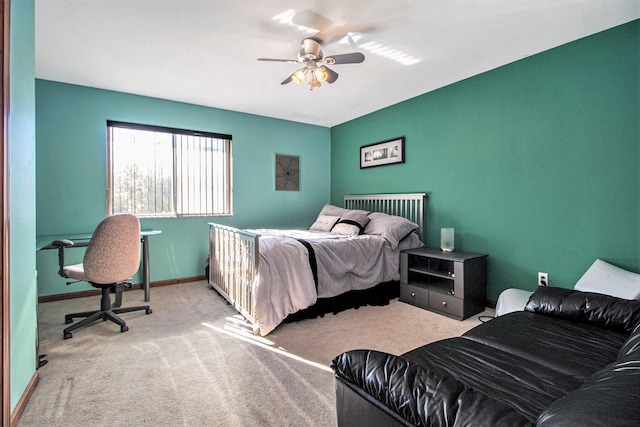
(346,58)
(311,19)
(290,61)
(327,30)
(332,76)
(287,80)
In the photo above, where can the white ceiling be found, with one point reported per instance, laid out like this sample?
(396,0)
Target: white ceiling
(204,51)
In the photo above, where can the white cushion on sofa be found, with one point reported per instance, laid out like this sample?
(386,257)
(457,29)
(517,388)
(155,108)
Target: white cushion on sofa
(511,300)
(608,279)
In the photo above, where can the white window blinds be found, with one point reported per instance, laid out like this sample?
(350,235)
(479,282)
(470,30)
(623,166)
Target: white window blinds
(160,172)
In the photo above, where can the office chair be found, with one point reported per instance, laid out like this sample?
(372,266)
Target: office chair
(111,258)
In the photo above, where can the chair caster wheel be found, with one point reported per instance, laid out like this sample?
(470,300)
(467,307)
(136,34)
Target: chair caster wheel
(68,335)
(124,328)
(148,311)
(68,320)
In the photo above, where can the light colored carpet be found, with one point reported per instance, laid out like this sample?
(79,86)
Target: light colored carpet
(194,362)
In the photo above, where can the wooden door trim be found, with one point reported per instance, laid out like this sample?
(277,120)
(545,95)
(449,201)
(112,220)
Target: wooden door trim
(5,381)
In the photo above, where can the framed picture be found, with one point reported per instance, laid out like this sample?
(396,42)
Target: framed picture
(287,173)
(382,153)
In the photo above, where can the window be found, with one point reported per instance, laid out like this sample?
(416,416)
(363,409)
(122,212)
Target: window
(163,172)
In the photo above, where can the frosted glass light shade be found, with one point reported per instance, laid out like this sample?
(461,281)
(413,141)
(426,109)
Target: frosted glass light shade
(321,74)
(298,76)
(446,239)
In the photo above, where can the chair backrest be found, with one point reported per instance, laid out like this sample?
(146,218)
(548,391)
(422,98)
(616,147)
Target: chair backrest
(113,254)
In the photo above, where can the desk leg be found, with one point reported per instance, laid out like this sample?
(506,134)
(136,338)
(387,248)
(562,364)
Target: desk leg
(145,267)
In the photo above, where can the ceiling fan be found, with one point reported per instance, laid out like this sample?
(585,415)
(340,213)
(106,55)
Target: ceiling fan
(314,63)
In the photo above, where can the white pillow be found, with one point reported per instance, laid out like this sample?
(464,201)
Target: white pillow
(608,279)
(332,210)
(351,223)
(391,227)
(325,222)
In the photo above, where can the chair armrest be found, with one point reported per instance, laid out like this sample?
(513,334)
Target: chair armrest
(63,243)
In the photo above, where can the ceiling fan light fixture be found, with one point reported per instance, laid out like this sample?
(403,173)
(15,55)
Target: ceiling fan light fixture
(321,74)
(313,82)
(313,64)
(298,76)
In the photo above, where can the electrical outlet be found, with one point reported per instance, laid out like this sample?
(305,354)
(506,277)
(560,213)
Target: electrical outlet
(543,279)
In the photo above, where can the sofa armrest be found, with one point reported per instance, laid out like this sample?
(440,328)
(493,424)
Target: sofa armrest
(598,309)
(419,395)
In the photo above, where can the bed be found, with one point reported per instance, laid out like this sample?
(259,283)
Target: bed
(348,257)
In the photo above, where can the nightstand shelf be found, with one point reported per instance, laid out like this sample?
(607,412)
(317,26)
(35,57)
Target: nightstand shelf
(449,283)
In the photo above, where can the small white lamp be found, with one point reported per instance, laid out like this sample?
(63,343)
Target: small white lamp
(446,239)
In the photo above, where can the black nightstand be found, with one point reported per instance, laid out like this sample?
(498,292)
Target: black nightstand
(449,283)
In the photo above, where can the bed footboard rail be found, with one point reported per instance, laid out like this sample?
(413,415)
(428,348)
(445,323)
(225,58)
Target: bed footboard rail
(233,266)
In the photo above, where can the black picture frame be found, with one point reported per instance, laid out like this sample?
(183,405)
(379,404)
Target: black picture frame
(389,152)
(287,173)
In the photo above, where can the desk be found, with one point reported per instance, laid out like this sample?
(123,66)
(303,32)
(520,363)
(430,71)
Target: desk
(82,239)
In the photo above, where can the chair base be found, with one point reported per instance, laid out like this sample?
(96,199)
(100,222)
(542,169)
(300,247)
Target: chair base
(106,312)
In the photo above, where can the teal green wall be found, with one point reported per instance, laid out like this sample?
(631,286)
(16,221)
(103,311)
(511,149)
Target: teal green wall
(536,163)
(71,178)
(22,268)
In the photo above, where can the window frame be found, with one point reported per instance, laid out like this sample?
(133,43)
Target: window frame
(173,131)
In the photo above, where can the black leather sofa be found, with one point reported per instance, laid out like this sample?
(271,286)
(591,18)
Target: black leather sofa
(569,359)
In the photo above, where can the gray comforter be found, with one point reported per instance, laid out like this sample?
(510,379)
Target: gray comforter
(286,284)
